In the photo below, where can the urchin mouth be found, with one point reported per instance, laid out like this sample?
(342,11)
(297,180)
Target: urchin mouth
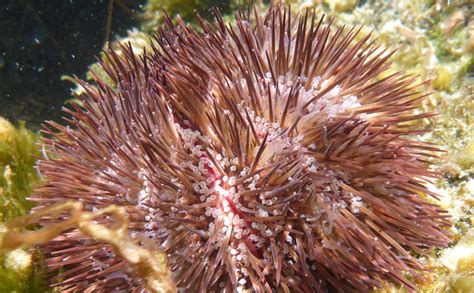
(240,222)
(235,195)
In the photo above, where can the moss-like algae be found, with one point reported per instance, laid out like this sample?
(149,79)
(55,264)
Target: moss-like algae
(23,271)
(20,270)
(18,154)
(187,10)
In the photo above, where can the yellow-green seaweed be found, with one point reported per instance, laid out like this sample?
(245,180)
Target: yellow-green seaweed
(18,154)
(20,270)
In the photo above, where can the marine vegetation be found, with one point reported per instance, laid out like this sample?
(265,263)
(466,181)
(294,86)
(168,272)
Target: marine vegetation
(150,265)
(152,15)
(18,154)
(265,155)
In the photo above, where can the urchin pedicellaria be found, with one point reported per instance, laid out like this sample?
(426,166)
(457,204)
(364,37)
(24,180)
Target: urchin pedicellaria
(264,155)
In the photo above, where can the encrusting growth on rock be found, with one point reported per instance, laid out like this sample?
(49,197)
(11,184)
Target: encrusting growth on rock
(260,156)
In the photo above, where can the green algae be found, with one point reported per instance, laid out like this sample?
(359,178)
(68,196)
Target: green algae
(20,270)
(18,154)
(187,9)
(23,271)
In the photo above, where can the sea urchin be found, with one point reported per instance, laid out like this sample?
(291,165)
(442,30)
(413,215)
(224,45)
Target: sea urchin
(268,155)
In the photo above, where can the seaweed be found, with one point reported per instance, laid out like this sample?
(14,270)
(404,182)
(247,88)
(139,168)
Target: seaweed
(18,154)
(20,270)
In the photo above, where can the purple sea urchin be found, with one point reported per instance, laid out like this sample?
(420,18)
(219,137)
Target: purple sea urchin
(261,156)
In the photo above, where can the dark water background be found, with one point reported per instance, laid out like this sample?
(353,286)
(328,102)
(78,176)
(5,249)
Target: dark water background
(41,40)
